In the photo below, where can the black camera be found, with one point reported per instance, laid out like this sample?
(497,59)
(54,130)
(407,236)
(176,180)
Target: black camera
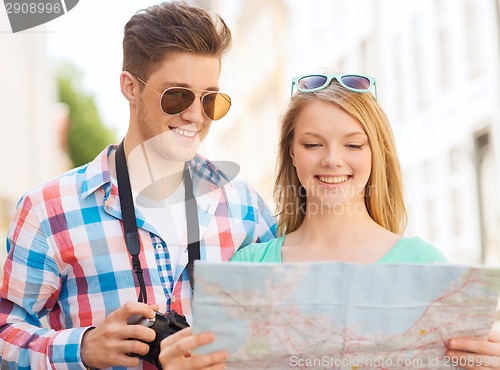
(163,325)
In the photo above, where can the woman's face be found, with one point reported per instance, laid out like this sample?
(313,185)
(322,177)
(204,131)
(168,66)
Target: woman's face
(332,157)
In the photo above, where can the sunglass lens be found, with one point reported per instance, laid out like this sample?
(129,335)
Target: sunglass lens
(311,82)
(216,105)
(176,100)
(356,82)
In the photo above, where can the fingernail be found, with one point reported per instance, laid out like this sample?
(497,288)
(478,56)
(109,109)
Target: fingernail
(208,337)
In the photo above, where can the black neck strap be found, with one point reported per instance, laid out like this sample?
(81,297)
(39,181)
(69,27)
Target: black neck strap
(130,225)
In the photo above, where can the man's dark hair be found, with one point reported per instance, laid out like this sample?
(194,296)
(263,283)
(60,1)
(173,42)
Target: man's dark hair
(153,33)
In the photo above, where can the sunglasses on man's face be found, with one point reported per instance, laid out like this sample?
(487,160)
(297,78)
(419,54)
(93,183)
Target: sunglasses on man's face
(176,100)
(351,82)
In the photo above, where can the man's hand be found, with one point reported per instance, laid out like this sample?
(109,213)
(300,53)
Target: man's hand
(108,344)
(176,352)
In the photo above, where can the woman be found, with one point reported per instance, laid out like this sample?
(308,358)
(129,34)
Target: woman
(339,192)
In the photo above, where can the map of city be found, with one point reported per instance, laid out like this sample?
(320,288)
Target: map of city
(332,315)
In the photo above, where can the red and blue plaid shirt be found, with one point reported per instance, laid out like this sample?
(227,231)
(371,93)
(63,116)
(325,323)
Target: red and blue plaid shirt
(68,259)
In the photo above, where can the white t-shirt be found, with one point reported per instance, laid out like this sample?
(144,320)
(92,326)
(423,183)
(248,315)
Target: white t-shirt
(168,218)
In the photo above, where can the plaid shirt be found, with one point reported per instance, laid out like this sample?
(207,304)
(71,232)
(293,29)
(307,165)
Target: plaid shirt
(68,259)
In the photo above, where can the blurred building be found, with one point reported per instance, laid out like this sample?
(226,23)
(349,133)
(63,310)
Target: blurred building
(437,67)
(254,75)
(31,121)
(443,97)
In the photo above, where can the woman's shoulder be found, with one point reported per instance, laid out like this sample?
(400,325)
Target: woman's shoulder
(269,251)
(413,250)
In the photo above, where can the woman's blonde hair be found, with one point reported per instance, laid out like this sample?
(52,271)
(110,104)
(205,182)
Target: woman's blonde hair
(384,197)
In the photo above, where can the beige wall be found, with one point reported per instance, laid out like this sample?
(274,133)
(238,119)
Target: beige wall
(30,119)
(254,76)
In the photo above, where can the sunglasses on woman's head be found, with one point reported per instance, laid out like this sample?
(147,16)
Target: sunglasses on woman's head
(176,100)
(351,82)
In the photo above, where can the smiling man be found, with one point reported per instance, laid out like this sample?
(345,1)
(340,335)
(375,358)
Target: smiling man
(71,240)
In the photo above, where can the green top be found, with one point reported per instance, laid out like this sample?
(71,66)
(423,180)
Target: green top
(406,250)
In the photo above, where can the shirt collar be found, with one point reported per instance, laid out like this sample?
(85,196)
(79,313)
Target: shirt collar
(97,174)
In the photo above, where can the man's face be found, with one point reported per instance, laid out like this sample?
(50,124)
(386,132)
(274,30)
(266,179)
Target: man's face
(176,137)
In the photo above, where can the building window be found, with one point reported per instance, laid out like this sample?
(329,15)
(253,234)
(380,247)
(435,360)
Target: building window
(417,31)
(368,57)
(428,172)
(429,204)
(455,160)
(445,60)
(430,212)
(473,40)
(489,215)
(456,213)
(398,72)
(444,45)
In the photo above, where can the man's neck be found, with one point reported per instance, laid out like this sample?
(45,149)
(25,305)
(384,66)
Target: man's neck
(150,174)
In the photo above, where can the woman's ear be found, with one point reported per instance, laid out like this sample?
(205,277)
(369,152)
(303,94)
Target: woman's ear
(292,155)
(128,85)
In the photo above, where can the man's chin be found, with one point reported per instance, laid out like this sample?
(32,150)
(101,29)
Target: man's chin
(182,157)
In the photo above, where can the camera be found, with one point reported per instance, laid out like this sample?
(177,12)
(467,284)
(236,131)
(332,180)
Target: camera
(163,325)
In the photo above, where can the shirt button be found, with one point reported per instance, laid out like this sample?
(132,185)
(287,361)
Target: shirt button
(159,247)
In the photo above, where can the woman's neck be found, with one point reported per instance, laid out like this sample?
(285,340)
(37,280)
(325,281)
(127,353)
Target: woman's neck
(349,237)
(329,226)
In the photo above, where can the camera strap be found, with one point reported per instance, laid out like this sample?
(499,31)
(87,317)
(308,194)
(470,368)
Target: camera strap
(130,225)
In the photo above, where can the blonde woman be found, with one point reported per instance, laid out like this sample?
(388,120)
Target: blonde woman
(339,193)
(338,190)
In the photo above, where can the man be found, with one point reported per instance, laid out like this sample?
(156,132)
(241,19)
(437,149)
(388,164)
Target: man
(68,256)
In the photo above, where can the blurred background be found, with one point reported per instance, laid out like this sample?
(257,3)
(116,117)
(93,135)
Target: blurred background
(437,69)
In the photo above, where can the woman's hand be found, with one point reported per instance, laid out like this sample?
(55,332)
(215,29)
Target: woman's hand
(176,352)
(474,353)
